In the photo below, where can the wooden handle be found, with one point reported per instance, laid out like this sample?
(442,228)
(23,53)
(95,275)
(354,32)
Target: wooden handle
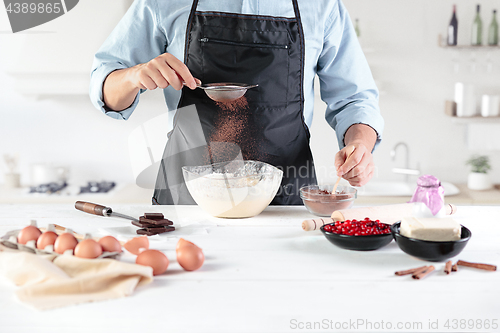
(91,208)
(385,213)
(338,178)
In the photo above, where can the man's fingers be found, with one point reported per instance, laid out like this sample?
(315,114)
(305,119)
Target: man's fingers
(341,157)
(339,160)
(157,69)
(147,82)
(353,160)
(181,69)
(355,164)
(360,168)
(147,77)
(362,179)
(172,78)
(159,79)
(163,71)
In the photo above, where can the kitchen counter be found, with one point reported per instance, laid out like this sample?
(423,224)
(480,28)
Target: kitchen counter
(264,274)
(122,193)
(131,193)
(465,197)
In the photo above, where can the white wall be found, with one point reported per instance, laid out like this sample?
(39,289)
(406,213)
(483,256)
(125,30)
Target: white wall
(64,130)
(69,131)
(416,78)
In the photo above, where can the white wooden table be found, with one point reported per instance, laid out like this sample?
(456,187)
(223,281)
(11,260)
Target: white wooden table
(265,274)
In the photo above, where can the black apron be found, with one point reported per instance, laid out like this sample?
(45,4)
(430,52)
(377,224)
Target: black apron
(251,49)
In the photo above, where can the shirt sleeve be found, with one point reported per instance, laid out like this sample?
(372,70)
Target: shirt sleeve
(346,82)
(136,39)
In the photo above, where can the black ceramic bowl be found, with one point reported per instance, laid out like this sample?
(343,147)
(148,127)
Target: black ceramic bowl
(357,243)
(430,250)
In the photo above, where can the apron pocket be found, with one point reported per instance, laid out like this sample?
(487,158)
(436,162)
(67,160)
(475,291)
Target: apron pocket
(248,61)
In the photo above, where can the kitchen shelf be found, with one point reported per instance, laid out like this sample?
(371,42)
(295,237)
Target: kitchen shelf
(471,47)
(467,47)
(476,119)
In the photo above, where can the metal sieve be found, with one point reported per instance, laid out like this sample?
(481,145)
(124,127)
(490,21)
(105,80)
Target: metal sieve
(226,91)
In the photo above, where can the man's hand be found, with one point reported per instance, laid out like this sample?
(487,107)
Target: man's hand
(358,167)
(122,86)
(161,72)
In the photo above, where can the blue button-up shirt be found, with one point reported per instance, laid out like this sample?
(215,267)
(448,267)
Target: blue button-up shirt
(332,51)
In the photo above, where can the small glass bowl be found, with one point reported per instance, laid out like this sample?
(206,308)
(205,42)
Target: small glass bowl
(320,201)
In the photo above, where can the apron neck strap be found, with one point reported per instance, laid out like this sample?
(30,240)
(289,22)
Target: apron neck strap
(195,6)
(188,28)
(295,8)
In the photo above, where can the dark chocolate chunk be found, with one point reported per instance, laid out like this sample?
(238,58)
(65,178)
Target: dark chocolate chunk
(165,228)
(154,231)
(142,219)
(154,216)
(151,225)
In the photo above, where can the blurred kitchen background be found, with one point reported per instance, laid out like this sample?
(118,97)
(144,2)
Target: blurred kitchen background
(46,118)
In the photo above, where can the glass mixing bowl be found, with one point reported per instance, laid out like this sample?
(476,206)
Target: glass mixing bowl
(236,189)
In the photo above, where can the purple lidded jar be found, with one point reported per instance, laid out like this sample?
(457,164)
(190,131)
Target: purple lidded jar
(430,192)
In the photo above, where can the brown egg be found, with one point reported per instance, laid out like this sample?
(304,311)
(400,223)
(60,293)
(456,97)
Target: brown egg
(137,243)
(154,259)
(182,242)
(45,239)
(65,242)
(88,248)
(110,244)
(27,234)
(190,257)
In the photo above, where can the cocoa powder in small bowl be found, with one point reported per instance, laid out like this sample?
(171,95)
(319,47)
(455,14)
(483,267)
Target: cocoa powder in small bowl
(319,199)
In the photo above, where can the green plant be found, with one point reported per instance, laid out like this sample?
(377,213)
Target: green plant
(479,164)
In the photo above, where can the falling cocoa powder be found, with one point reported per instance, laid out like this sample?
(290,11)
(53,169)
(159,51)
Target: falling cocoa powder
(233,105)
(234,127)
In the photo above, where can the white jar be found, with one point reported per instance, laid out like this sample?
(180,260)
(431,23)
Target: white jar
(465,99)
(12,180)
(490,106)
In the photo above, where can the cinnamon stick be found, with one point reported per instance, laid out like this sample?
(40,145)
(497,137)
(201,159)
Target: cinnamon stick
(420,274)
(447,267)
(454,268)
(485,267)
(410,271)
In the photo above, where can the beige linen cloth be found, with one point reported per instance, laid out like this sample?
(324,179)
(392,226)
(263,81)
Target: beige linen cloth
(49,281)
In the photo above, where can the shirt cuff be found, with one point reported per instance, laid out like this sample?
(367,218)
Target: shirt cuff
(98,77)
(359,116)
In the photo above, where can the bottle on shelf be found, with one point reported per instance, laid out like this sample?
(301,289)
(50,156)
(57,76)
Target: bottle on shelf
(493,30)
(453,28)
(477,29)
(356,28)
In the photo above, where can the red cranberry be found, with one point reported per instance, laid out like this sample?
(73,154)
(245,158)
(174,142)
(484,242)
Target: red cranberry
(364,227)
